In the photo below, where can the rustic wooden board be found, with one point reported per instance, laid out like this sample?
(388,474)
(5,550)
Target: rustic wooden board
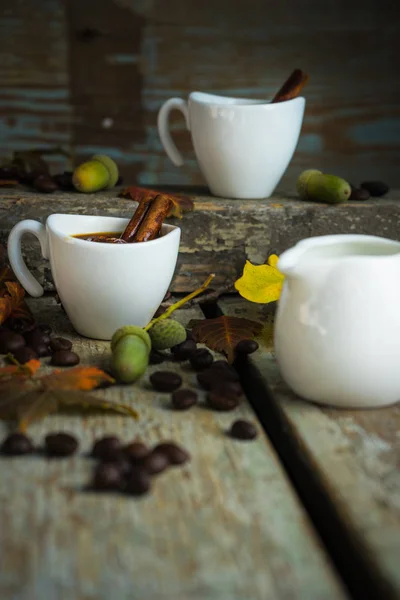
(93,75)
(356,455)
(227,527)
(220,234)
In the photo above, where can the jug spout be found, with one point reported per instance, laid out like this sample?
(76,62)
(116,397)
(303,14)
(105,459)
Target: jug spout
(289,261)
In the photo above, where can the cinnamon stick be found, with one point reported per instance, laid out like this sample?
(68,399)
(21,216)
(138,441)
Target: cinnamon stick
(292,86)
(151,224)
(137,219)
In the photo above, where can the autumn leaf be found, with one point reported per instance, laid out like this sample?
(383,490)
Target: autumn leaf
(26,398)
(224,333)
(262,283)
(11,372)
(180,204)
(12,296)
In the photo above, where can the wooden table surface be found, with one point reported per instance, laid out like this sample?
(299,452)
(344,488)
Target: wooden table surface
(309,510)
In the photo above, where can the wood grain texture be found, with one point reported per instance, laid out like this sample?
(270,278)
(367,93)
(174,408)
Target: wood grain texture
(355,453)
(226,527)
(123,58)
(219,235)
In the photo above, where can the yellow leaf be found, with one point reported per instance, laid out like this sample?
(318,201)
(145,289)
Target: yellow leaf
(261,283)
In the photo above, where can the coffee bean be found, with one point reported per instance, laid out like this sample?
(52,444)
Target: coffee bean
(246,347)
(121,463)
(375,188)
(184,350)
(165,381)
(156,358)
(59,343)
(155,462)
(227,388)
(60,444)
(64,358)
(138,483)
(24,354)
(44,184)
(45,328)
(64,181)
(42,350)
(136,452)
(201,359)
(20,325)
(184,399)
(36,337)
(175,454)
(243,430)
(107,476)
(214,375)
(16,444)
(221,401)
(107,448)
(359,194)
(10,342)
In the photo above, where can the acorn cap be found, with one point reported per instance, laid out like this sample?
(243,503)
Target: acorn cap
(166,334)
(111,167)
(130,330)
(302,182)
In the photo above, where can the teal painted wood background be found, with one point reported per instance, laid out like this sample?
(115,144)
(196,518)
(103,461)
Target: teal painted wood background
(91,76)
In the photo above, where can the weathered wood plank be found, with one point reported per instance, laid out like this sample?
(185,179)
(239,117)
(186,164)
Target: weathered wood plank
(219,235)
(226,527)
(356,455)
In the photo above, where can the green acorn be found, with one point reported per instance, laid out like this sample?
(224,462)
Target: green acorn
(99,173)
(166,334)
(314,186)
(130,348)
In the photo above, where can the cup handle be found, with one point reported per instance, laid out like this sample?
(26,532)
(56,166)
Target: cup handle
(163,128)
(21,271)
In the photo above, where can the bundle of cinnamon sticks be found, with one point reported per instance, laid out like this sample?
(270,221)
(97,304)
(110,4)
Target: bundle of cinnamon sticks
(149,216)
(292,86)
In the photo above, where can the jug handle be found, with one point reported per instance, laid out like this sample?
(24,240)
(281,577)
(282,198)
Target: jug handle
(163,128)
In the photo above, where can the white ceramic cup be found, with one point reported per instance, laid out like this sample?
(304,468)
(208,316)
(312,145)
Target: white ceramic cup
(101,286)
(243,147)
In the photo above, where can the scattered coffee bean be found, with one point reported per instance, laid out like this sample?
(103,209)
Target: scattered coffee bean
(10,342)
(59,343)
(20,325)
(138,483)
(184,399)
(243,430)
(121,463)
(375,188)
(201,359)
(42,350)
(107,476)
(44,184)
(213,376)
(184,350)
(60,444)
(64,181)
(165,381)
(359,194)
(45,328)
(229,388)
(136,452)
(24,354)
(156,358)
(36,337)
(64,358)
(16,444)
(246,347)
(221,401)
(155,462)
(176,454)
(107,448)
